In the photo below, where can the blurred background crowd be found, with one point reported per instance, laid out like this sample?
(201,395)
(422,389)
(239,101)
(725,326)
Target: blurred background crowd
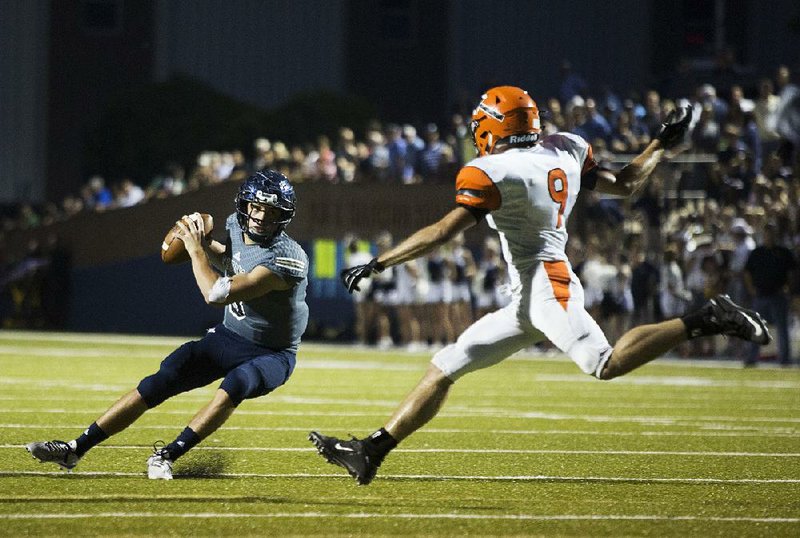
(721,216)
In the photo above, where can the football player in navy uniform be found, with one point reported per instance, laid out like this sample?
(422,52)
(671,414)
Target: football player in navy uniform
(259,275)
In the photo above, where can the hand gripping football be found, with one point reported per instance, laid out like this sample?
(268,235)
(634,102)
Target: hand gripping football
(172,248)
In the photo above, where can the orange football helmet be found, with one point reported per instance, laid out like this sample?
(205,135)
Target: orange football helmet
(507,114)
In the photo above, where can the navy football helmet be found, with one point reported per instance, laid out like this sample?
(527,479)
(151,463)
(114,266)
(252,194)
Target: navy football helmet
(269,188)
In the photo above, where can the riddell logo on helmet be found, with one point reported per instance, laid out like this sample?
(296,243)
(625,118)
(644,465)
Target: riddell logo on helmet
(521,139)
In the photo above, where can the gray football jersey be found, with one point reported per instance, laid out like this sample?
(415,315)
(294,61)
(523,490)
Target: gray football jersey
(278,319)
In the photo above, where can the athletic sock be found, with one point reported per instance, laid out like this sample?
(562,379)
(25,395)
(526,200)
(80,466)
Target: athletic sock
(88,439)
(381,442)
(182,444)
(697,325)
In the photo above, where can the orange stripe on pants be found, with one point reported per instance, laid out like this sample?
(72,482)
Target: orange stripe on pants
(558,274)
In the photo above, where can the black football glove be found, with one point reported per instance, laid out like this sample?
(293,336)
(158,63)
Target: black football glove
(353,275)
(675,126)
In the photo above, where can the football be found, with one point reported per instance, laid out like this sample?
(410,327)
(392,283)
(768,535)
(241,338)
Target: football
(172,249)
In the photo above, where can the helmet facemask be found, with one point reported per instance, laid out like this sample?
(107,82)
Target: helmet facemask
(272,191)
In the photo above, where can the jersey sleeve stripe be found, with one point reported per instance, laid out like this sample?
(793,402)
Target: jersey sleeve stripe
(290,263)
(475,189)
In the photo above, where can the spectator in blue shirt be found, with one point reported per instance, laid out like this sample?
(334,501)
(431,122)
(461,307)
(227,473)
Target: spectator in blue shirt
(431,156)
(595,126)
(102,197)
(414,147)
(397,147)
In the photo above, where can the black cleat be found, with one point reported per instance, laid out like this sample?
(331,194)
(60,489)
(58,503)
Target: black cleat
(726,317)
(353,455)
(57,452)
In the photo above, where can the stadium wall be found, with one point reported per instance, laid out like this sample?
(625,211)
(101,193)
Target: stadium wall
(119,284)
(324,211)
(145,296)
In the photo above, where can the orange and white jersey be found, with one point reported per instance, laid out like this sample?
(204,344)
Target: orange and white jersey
(530,193)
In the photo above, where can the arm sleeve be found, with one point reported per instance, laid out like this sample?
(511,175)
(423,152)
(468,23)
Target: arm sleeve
(478,213)
(589,179)
(589,170)
(474,189)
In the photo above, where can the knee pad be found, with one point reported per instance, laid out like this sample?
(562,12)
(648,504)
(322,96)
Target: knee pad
(257,378)
(186,368)
(157,388)
(240,385)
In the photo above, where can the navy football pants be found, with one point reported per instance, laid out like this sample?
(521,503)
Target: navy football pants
(249,370)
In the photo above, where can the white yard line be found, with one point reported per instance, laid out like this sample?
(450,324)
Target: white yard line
(71,353)
(379,515)
(474,478)
(203,395)
(673,381)
(473,412)
(93,338)
(336,349)
(342,364)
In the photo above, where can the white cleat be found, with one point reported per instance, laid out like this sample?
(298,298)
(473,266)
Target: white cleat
(159,466)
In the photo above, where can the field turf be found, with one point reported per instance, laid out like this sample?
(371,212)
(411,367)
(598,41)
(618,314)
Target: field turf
(529,447)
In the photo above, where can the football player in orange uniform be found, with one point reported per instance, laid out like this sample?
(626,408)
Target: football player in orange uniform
(525,186)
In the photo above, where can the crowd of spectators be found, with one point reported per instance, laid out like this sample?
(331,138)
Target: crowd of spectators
(722,217)
(687,236)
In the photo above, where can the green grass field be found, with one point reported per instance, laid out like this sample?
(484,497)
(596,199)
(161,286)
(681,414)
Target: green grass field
(529,447)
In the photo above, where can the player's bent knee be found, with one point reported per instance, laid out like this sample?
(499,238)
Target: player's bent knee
(245,383)
(155,389)
(223,400)
(258,377)
(173,377)
(436,376)
(238,386)
(458,359)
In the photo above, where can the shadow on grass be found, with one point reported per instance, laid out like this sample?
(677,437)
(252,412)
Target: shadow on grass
(203,465)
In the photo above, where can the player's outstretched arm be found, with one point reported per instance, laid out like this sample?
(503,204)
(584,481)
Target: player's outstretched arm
(633,176)
(420,242)
(428,238)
